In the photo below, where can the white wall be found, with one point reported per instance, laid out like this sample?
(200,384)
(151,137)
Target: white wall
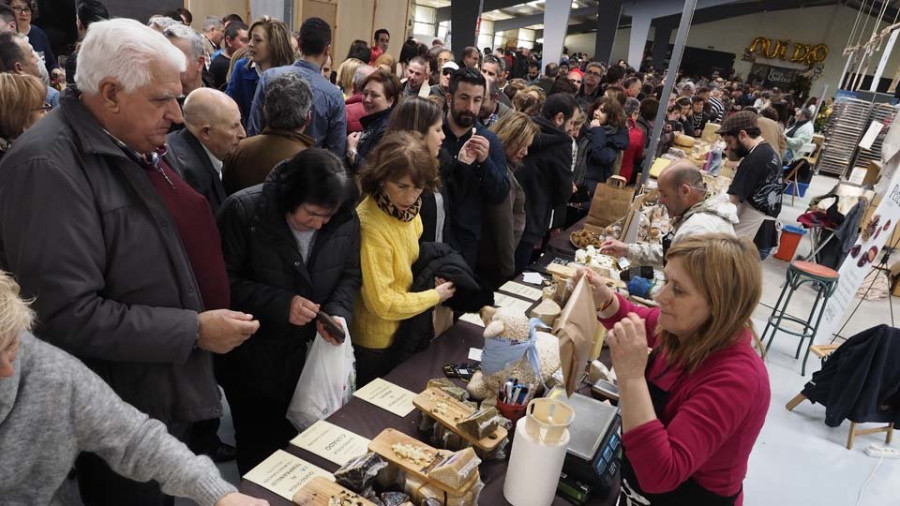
(809,25)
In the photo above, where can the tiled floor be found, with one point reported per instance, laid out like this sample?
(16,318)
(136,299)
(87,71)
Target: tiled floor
(798,460)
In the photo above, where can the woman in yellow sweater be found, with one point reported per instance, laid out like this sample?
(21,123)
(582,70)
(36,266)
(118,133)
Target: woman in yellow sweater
(395,174)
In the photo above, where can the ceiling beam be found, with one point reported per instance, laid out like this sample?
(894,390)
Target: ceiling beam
(503,25)
(443,13)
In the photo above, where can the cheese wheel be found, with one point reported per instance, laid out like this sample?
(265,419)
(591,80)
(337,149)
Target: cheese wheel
(684,140)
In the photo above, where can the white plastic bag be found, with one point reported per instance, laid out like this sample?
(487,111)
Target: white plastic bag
(326,383)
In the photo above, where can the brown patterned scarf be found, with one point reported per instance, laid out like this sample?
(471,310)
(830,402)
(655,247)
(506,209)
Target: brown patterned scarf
(384,203)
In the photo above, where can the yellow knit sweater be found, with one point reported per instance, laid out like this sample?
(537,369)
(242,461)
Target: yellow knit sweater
(388,249)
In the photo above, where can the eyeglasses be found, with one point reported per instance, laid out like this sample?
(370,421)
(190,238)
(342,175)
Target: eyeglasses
(592,73)
(317,215)
(447,72)
(46,108)
(22,10)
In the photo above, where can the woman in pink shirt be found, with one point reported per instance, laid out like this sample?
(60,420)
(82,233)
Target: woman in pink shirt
(693,407)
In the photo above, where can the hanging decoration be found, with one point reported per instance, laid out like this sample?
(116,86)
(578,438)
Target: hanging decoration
(808,54)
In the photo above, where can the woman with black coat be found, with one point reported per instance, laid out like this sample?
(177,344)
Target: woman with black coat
(291,248)
(381,93)
(609,138)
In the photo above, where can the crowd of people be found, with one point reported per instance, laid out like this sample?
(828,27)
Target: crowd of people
(191,203)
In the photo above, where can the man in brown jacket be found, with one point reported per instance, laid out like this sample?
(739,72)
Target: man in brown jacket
(287,110)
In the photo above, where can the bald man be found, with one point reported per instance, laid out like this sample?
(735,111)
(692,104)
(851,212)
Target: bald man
(693,212)
(212,132)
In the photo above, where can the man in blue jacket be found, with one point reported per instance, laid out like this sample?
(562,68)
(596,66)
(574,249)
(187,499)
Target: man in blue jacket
(477,173)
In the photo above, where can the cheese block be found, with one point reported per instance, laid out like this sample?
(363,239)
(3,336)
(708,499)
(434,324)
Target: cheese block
(684,140)
(547,311)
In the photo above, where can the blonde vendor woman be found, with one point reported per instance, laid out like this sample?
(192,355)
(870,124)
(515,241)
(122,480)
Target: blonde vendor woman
(392,180)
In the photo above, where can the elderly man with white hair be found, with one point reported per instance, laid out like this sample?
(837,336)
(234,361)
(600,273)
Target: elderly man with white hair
(121,255)
(52,407)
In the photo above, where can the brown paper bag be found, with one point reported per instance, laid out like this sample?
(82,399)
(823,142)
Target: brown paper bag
(575,329)
(442,319)
(611,201)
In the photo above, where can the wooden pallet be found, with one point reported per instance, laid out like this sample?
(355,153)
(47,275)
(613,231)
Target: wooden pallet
(319,492)
(448,411)
(383,444)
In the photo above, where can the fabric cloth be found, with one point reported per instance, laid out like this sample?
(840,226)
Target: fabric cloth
(388,249)
(355,112)
(266,270)
(305,239)
(758,184)
(773,133)
(503,225)
(404,215)
(53,407)
(121,295)
(374,126)
(634,153)
(797,137)
(52,97)
(242,88)
(256,156)
(860,381)
(198,169)
(218,69)
(546,178)
(713,417)
(713,215)
(328,121)
(717,110)
(607,143)
(698,122)
(470,187)
(500,353)
(41,44)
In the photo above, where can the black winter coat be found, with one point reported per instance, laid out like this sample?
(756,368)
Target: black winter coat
(374,126)
(861,379)
(266,270)
(438,260)
(604,148)
(546,177)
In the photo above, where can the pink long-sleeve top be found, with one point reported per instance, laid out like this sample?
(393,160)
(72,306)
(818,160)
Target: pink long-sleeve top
(710,423)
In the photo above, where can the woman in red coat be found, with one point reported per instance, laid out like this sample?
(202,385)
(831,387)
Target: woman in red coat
(634,153)
(693,407)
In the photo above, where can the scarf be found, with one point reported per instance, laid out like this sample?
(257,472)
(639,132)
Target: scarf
(384,203)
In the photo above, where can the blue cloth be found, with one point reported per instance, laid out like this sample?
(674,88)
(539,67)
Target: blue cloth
(242,86)
(52,97)
(39,41)
(328,124)
(498,354)
(216,54)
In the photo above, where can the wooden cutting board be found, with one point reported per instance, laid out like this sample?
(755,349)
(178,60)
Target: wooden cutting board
(383,444)
(319,492)
(448,411)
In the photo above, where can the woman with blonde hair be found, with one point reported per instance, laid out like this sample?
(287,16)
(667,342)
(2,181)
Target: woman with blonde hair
(693,408)
(392,180)
(346,72)
(386,62)
(506,222)
(22,100)
(52,407)
(269,47)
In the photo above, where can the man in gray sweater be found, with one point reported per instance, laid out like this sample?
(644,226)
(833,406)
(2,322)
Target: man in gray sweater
(52,407)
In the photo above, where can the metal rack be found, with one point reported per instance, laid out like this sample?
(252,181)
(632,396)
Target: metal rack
(844,129)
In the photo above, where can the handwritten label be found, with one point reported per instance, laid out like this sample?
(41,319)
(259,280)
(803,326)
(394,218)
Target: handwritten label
(521,290)
(387,396)
(285,474)
(331,442)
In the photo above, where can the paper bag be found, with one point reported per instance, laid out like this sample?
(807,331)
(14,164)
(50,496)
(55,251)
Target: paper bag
(442,319)
(575,329)
(629,233)
(611,201)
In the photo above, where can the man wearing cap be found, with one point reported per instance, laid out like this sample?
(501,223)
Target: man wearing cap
(441,89)
(757,185)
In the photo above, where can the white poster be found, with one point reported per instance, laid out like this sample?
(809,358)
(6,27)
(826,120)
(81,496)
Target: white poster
(884,59)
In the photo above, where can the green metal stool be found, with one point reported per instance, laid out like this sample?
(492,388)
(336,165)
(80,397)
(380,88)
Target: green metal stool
(824,281)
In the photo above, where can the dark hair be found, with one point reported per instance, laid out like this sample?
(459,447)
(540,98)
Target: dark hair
(770,113)
(551,70)
(186,14)
(534,64)
(399,154)
(616,92)
(683,102)
(10,52)
(313,176)
(231,31)
(231,18)
(559,103)
(562,85)
(696,99)
(90,11)
(379,31)
(315,36)
(614,74)
(409,50)
(470,50)
(7,14)
(701,90)
(466,75)
(415,114)
(390,82)
(649,108)
(359,49)
(631,80)
(615,113)
(500,62)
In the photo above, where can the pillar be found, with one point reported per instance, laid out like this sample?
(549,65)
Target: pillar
(463,18)
(662,34)
(608,14)
(556,24)
(640,30)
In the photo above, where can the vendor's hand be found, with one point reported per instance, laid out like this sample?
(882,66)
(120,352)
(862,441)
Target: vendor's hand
(445,290)
(303,311)
(334,341)
(602,293)
(476,148)
(353,141)
(238,499)
(628,347)
(222,330)
(614,248)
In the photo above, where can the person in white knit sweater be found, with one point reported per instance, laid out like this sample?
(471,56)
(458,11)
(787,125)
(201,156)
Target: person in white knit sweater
(52,407)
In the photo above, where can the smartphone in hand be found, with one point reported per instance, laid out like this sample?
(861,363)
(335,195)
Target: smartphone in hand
(331,326)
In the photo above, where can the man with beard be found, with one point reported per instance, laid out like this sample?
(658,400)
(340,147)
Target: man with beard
(476,175)
(757,185)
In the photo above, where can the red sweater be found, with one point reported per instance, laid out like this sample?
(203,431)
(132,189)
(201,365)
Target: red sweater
(634,151)
(710,423)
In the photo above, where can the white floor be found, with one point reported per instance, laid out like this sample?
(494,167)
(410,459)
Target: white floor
(798,460)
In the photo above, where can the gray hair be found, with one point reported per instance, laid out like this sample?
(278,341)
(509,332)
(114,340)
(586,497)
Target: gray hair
(805,113)
(499,62)
(288,101)
(213,22)
(161,22)
(179,31)
(632,105)
(359,77)
(123,49)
